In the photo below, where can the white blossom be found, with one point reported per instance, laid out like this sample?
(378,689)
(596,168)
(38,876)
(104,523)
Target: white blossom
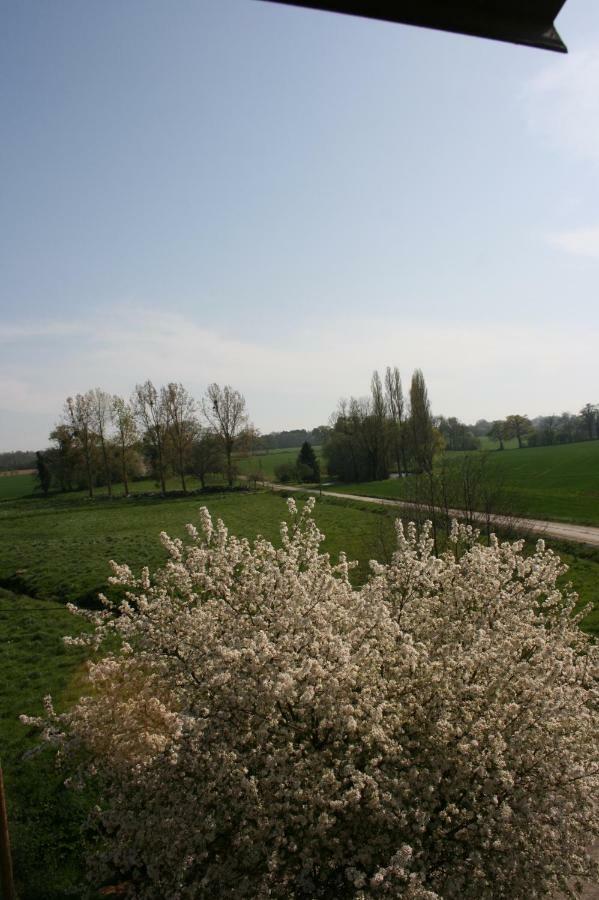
(268,731)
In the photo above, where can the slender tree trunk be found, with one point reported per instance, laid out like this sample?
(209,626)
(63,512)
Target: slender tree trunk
(160,466)
(431,488)
(124,466)
(229,450)
(182,473)
(88,466)
(106,467)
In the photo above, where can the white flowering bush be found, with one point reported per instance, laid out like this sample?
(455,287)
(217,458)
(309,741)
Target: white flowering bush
(267,730)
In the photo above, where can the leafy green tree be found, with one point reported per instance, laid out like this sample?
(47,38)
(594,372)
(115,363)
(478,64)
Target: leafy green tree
(307,463)
(421,422)
(518,427)
(65,458)
(497,432)
(44,475)
(285,473)
(590,415)
(207,456)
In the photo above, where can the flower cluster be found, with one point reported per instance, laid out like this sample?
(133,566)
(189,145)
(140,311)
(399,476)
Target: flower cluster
(265,730)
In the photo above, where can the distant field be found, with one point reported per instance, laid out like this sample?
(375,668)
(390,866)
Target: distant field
(265,463)
(488,443)
(559,483)
(14,486)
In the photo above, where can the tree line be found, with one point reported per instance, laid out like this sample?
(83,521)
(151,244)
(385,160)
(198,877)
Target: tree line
(17,459)
(104,439)
(566,428)
(295,437)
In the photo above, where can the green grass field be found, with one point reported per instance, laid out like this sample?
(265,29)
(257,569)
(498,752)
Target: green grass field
(264,463)
(488,443)
(45,818)
(559,482)
(57,549)
(14,486)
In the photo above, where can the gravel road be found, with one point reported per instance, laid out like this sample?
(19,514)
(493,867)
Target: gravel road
(564,531)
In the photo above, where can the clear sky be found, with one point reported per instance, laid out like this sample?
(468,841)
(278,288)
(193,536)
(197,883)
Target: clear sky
(284,200)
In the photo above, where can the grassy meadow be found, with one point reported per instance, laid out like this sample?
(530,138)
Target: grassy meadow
(559,482)
(45,818)
(489,443)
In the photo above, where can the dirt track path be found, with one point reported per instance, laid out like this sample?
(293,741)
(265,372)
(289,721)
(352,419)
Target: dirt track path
(564,531)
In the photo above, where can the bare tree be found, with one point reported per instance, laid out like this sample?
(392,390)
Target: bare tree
(79,415)
(101,404)
(152,415)
(248,439)
(224,408)
(396,409)
(182,423)
(123,419)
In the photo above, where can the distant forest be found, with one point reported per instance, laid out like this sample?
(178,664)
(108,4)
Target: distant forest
(14,460)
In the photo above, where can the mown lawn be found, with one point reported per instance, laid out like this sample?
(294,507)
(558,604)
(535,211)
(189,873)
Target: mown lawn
(559,483)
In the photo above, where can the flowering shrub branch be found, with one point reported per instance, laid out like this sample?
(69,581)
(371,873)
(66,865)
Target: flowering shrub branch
(267,730)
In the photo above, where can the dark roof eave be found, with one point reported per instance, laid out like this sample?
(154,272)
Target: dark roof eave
(490,19)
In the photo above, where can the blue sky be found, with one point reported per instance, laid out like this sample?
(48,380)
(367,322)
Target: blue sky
(283,200)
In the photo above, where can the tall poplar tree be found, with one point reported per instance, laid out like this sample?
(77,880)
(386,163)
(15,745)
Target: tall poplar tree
(421,423)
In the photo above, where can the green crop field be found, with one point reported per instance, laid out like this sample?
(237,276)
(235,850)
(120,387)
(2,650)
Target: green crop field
(559,482)
(56,549)
(264,463)
(489,443)
(14,486)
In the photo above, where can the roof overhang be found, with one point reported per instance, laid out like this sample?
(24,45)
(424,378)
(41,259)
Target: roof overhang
(529,22)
